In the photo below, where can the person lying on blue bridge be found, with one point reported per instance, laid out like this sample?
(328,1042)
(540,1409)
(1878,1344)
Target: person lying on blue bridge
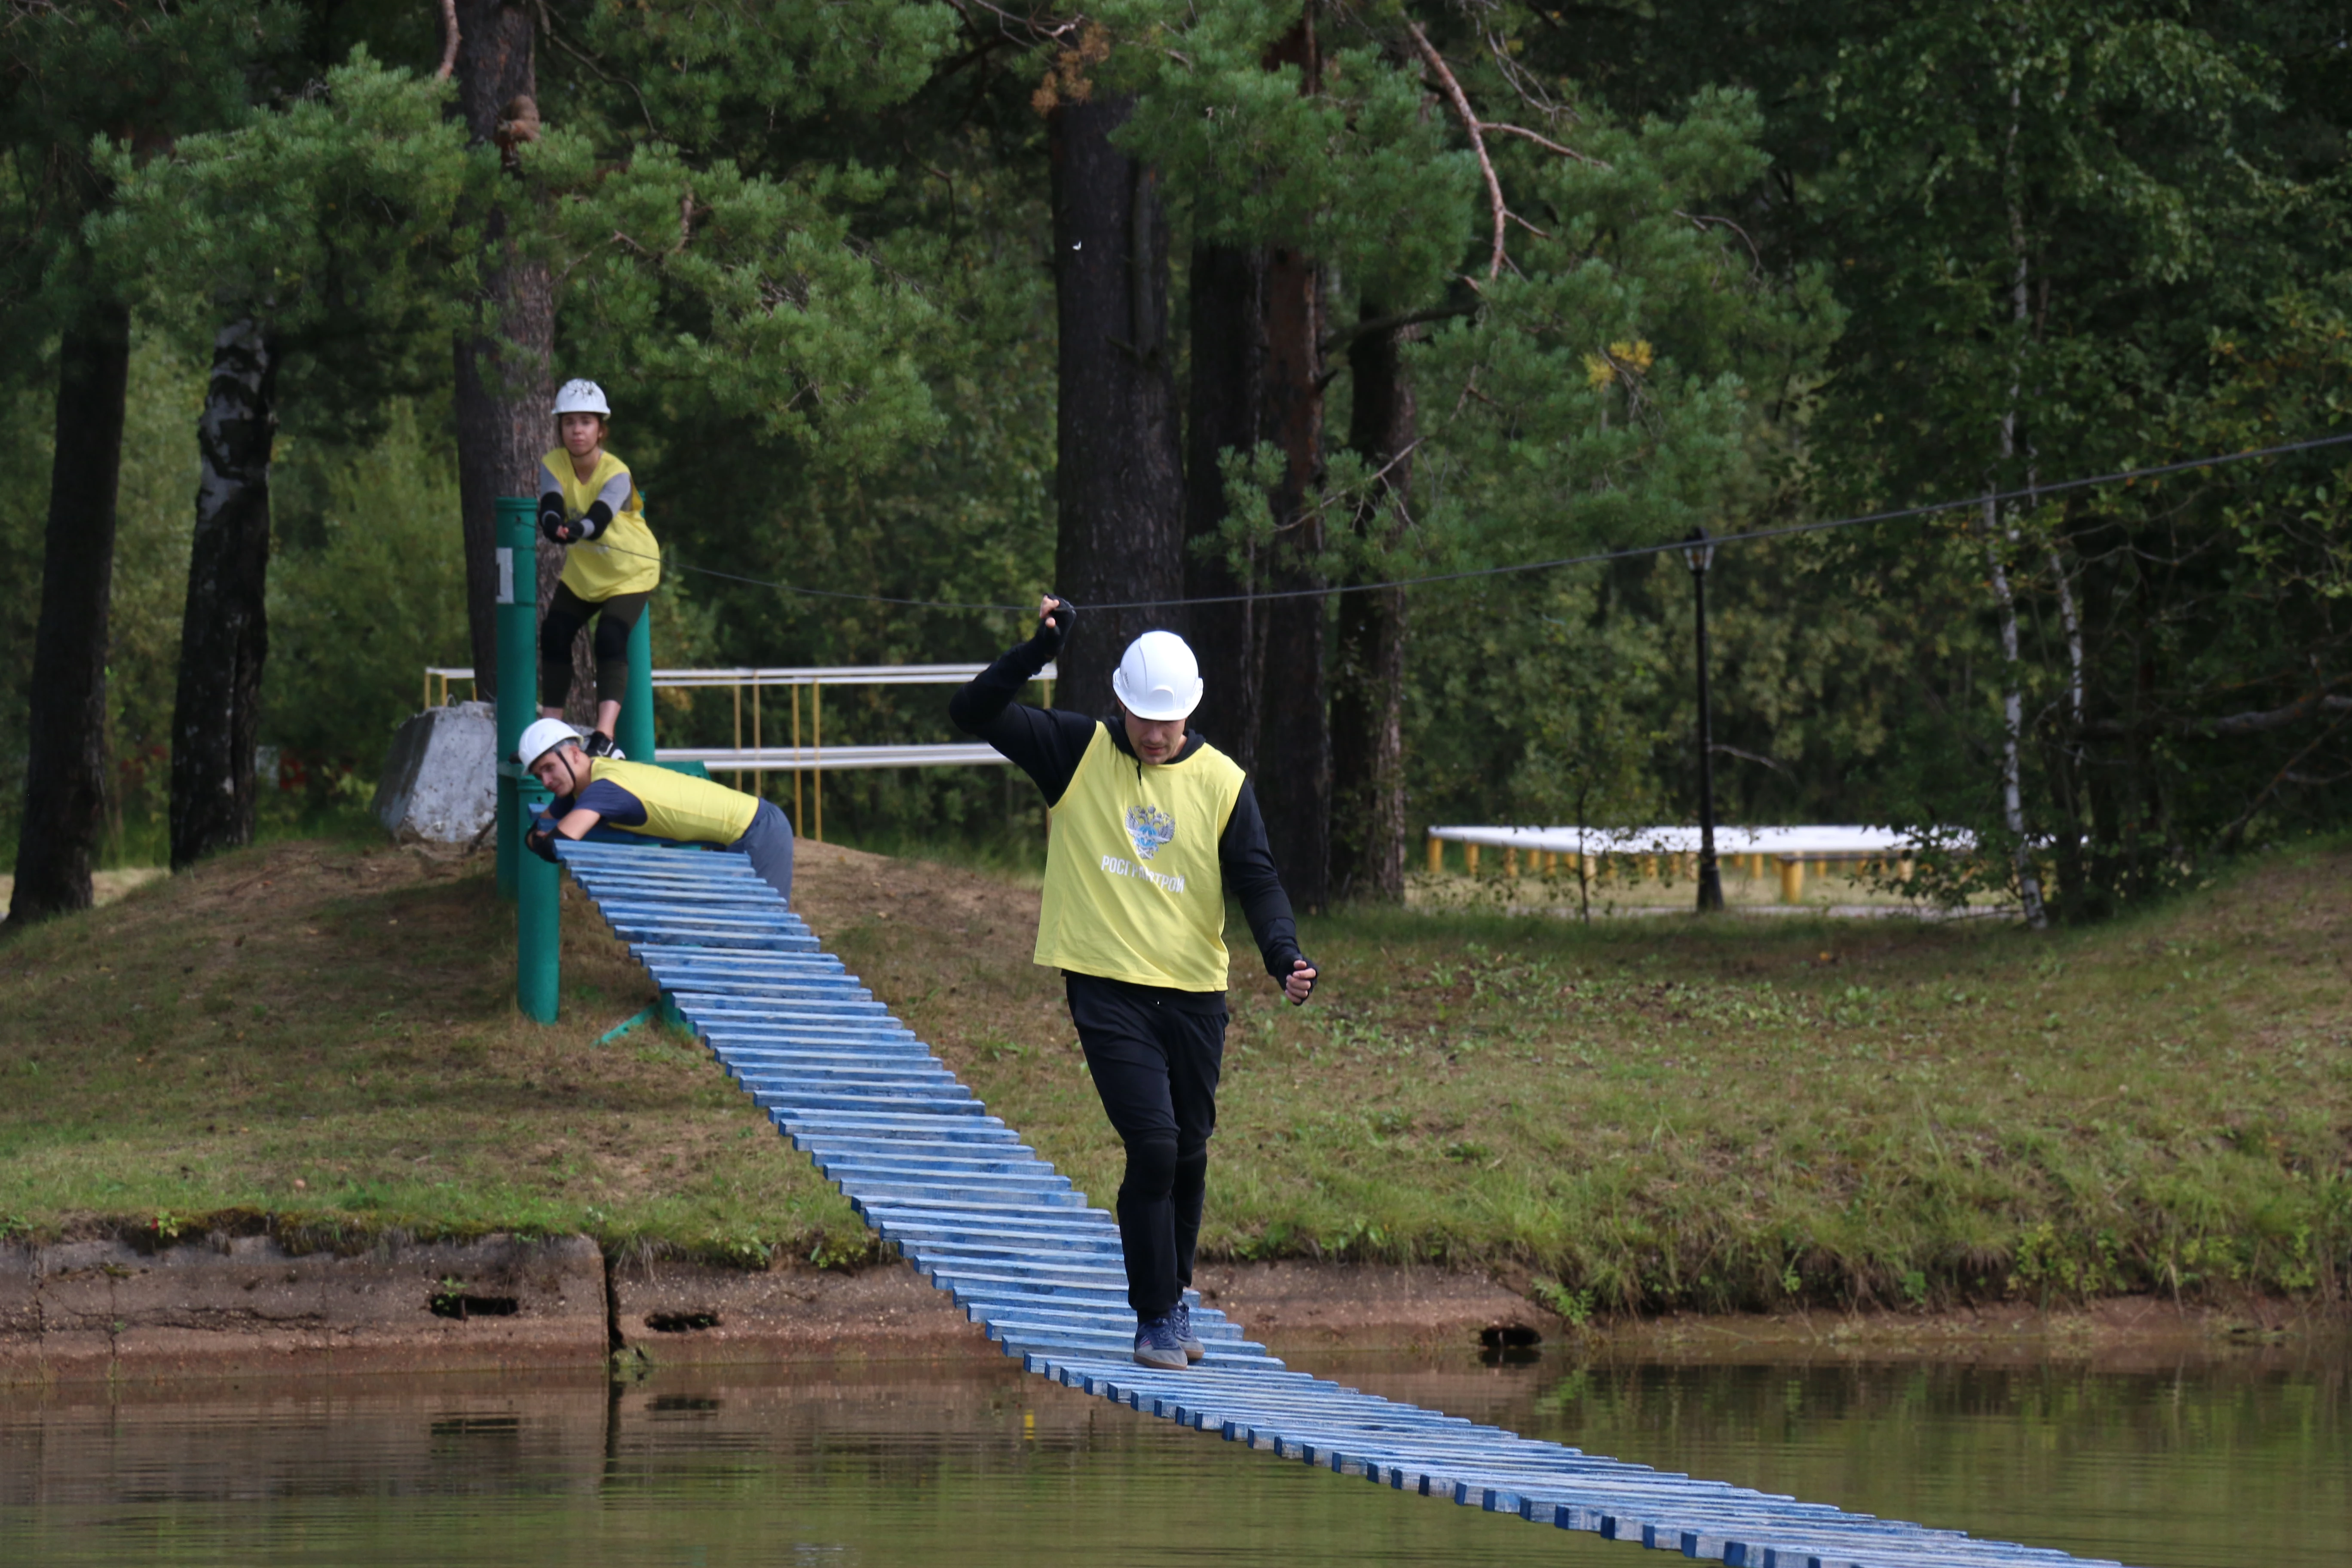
(644,800)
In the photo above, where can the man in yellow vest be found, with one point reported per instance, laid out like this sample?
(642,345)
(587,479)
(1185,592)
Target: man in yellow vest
(657,802)
(1151,827)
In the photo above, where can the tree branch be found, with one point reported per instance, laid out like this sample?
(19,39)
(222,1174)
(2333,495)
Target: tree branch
(2251,724)
(1016,26)
(1703,220)
(2275,719)
(448,41)
(2234,834)
(1749,757)
(1531,91)
(1549,145)
(568,48)
(1461,102)
(1346,335)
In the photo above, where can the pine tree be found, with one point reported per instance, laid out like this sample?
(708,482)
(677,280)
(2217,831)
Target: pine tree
(72,75)
(320,229)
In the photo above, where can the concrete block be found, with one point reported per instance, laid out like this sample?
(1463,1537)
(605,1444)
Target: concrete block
(440,779)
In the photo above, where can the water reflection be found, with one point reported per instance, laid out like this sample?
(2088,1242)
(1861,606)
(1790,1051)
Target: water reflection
(2190,1458)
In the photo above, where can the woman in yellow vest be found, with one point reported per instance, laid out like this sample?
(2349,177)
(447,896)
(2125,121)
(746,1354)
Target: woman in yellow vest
(1151,828)
(643,798)
(589,505)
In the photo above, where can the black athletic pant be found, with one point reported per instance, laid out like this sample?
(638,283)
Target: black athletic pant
(566,614)
(1155,1056)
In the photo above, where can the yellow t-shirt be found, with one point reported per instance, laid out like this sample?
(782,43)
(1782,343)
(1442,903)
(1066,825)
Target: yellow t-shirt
(1134,889)
(624,559)
(679,805)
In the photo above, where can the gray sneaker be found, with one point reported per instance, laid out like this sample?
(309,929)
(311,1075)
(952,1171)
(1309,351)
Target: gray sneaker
(1156,1344)
(1186,1340)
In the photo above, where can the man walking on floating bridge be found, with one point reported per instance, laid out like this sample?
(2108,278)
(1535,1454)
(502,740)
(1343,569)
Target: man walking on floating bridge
(1150,826)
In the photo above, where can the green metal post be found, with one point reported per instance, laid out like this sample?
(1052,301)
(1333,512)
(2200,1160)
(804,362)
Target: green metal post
(537,939)
(635,730)
(518,673)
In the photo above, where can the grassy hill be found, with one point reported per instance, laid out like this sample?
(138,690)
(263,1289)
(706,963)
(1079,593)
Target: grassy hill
(318,1039)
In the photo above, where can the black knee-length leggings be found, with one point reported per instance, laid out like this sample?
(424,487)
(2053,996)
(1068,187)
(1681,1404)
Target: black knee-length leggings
(566,614)
(1155,1056)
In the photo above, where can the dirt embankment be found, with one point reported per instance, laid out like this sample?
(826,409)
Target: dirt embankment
(227,1306)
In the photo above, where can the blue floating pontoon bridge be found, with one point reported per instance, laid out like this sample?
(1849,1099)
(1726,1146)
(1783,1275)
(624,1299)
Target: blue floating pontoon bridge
(986,1220)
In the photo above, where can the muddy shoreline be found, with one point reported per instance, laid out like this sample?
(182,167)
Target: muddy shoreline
(103,1309)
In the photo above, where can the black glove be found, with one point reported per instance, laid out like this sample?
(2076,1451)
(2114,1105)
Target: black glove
(540,841)
(550,518)
(597,744)
(1053,629)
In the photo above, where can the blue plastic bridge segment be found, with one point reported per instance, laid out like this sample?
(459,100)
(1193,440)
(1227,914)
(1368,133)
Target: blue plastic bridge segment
(982,1216)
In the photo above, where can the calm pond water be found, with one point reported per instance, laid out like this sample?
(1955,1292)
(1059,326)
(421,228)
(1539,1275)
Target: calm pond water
(2204,1458)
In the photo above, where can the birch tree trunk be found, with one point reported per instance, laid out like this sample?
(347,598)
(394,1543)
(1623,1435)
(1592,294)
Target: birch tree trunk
(224,632)
(2074,894)
(65,755)
(2013,704)
(2013,719)
(1118,477)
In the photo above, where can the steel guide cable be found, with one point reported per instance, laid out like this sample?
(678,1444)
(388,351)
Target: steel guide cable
(1627,553)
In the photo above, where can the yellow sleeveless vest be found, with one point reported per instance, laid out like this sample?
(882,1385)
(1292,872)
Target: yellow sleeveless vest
(625,560)
(677,805)
(1133,888)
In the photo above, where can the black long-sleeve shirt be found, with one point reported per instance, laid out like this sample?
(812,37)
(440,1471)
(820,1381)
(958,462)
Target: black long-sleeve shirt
(1046,743)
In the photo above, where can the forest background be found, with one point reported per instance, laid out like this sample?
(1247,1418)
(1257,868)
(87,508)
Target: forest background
(946,302)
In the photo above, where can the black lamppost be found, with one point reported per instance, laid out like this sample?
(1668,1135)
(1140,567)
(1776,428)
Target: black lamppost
(1699,553)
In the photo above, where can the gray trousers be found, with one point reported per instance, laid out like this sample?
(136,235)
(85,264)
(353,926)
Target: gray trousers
(768,842)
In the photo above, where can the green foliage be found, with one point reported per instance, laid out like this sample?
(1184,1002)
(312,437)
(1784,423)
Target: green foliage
(1356,174)
(75,78)
(743,296)
(696,72)
(154,515)
(367,589)
(1545,688)
(964,514)
(1762,266)
(333,217)
(1603,394)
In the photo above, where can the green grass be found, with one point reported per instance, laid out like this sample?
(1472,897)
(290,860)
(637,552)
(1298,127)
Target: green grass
(1749,1113)
(1632,1115)
(319,1040)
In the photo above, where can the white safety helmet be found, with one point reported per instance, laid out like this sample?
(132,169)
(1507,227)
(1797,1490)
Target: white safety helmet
(542,737)
(1157,677)
(581,397)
